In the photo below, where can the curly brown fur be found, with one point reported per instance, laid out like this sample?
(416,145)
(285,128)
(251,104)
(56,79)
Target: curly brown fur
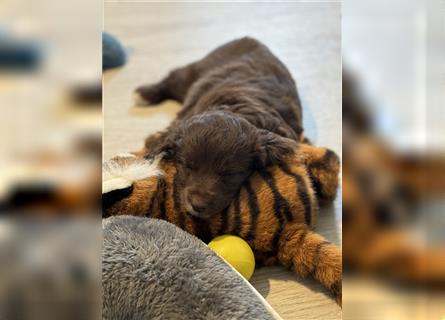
(241,111)
(242,76)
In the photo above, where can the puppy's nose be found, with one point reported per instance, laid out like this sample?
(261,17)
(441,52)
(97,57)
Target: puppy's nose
(198,202)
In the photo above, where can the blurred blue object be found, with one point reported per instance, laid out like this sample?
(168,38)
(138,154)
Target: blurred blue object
(19,55)
(113,53)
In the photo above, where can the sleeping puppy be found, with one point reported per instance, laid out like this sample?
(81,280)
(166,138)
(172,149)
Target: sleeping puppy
(241,112)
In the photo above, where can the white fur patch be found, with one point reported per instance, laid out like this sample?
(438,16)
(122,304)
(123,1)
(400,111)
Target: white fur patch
(121,174)
(125,155)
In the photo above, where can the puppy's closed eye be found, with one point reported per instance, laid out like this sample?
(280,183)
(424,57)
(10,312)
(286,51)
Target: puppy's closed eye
(191,167)
(229,173)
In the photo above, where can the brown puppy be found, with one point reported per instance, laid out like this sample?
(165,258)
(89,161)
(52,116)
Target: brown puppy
(241,111)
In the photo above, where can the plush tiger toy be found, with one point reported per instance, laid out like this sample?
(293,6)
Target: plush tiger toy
(274,211)
(382,189)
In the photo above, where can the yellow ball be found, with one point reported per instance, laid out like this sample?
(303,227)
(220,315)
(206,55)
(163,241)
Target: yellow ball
(236,252)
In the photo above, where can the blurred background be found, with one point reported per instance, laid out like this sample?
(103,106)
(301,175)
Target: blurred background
(50,164)
(393,159)
(50,98)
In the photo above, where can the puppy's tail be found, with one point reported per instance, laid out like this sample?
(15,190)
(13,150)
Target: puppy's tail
(308,253)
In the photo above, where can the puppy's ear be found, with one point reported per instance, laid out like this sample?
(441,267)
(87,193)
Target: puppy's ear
(167,143)
(271,148)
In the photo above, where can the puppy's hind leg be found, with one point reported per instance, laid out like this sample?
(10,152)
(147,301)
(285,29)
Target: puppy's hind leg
(149,95)
(177,83)
(174,86)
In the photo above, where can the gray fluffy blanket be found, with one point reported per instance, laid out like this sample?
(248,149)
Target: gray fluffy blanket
(154,270)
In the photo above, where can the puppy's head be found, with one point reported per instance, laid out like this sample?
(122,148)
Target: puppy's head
(215,152)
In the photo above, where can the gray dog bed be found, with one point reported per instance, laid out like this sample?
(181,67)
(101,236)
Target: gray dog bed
(154,270)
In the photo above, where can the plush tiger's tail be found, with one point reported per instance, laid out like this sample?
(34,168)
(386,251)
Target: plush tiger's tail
(308,253)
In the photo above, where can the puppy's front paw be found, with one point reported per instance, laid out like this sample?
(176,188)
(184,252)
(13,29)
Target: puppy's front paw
(148,95)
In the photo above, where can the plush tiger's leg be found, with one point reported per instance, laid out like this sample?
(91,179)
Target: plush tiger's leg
(423,175)
(395,255)
(323,167)
(308,253)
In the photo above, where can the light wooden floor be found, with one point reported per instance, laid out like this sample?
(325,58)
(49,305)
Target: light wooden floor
(305,36)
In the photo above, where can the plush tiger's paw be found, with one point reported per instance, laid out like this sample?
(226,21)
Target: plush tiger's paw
(329,270)
(336,289)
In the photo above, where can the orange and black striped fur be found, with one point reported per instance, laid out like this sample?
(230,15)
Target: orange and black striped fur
(382,189)
(274,212)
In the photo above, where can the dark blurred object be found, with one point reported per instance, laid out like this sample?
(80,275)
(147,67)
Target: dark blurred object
(19,55)
(113,53)
(50,270)
(30,194)
(355,113)
(91,146)
(89,94)
(54,183)
(49,177)
(383,194)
